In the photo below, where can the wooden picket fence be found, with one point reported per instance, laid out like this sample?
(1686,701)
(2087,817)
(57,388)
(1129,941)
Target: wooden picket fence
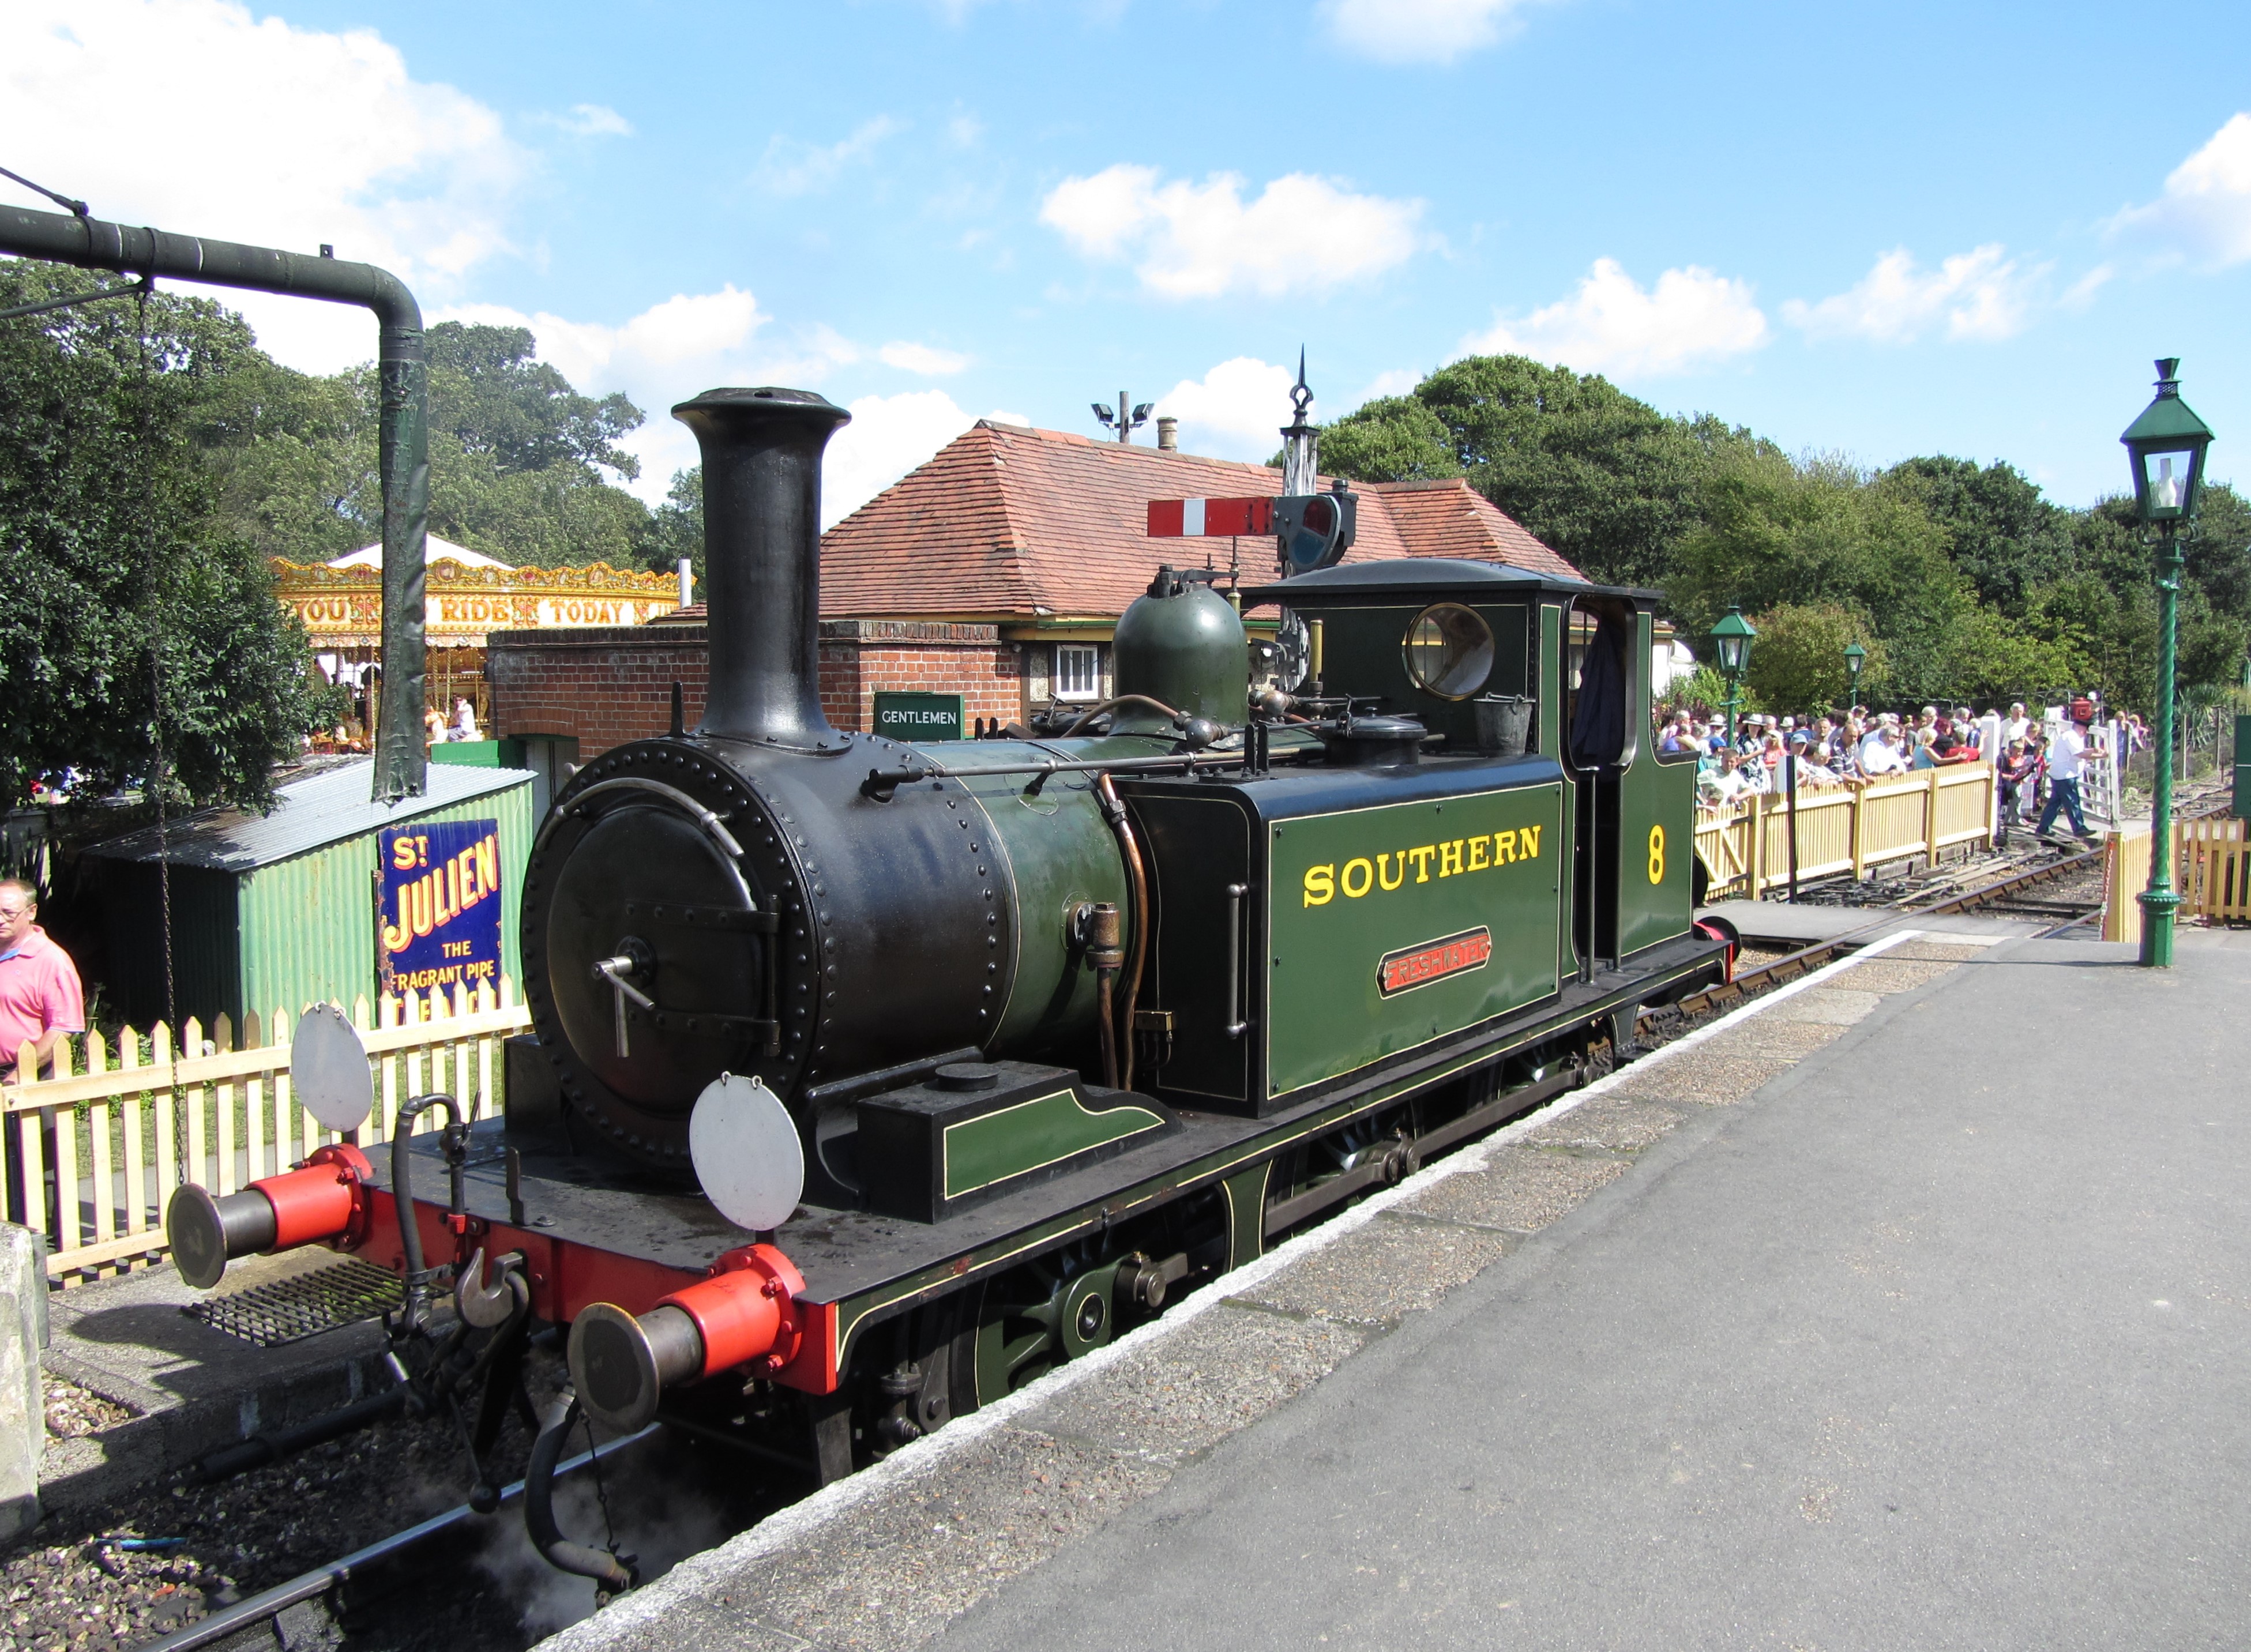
(2215,869)
(93,1155)
(1746,845)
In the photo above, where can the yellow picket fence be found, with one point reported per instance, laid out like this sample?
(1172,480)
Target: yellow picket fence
(2212,870)
(1746,845)
(2215,869)
(92,1155)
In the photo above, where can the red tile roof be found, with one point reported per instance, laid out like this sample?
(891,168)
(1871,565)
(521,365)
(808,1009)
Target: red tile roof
(1007,520)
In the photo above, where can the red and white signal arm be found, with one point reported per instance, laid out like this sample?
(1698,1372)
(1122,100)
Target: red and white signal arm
(1209,518)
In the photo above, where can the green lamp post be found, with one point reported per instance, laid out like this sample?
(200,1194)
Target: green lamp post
(1855,657)
(1731,640)
(2165,446)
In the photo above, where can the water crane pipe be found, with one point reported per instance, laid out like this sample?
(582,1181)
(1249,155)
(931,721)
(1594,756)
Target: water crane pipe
(401,759)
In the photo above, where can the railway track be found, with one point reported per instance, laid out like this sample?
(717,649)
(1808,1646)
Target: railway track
(394,1554)
(2012,893)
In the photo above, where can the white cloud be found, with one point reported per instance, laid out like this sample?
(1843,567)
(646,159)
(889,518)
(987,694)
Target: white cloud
(921,358)
(591,120)
(1980,294)
(791,166)
(1694,317)
(1201,240)
(1236,410)
(2206,208)
(299,136)
(694,340)
(1419,30)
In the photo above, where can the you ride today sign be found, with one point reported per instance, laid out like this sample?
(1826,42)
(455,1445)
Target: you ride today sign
(439,924)
(903,714)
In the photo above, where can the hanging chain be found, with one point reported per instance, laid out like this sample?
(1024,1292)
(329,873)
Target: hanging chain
(156,730)
(601,1494)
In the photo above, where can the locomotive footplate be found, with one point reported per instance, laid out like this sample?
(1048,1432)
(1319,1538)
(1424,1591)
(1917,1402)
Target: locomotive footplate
(592,1233)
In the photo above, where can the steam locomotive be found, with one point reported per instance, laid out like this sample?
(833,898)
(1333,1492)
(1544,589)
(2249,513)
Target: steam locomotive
(869,1081)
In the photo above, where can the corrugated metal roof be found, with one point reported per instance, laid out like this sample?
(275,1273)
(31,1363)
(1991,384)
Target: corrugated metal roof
(309,814)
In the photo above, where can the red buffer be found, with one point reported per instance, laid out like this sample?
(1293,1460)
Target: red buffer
(1209,518)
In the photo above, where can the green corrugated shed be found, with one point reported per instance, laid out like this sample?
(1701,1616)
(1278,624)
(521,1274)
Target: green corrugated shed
(277,911)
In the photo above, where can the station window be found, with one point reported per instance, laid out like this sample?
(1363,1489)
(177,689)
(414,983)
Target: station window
(1077,671)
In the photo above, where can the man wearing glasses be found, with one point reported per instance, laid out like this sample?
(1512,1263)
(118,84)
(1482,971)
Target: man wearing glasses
(41,1002)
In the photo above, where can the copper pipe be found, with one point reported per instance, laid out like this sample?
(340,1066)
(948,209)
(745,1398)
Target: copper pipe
(1140,877)
(1112,705)
(1103,952)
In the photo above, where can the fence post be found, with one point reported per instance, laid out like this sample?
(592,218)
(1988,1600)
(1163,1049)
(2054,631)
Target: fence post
(1930,818)
(1755,863)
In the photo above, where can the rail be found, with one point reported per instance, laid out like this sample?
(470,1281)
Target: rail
(93,1155)
(1747,845)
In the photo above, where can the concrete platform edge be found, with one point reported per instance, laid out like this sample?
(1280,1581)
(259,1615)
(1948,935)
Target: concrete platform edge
(687,1583)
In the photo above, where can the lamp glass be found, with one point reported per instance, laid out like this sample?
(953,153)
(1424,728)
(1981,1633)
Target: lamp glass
(2166,474)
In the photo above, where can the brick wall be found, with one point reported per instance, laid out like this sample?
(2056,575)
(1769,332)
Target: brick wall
(609,685)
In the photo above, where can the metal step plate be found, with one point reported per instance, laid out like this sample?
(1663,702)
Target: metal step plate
(344,1293)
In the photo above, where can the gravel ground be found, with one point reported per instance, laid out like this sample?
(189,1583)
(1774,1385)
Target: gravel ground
(73,1412)
(72,1582)
(70,1585)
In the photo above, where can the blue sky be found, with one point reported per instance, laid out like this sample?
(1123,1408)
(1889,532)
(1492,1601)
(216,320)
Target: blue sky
(1884,231)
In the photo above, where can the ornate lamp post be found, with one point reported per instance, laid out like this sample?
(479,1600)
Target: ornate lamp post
(2165,446)
(1731,640)
(1855,657)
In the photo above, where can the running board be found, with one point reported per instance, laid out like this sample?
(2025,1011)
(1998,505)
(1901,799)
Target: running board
(1288,1213)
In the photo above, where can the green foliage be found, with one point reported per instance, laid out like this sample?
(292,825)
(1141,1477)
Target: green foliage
(1798,659)
(488,393)
(1605,479)
(122,568)
(1705,692)
(516,455)
(2004,537)
(676,528)
(1394,438)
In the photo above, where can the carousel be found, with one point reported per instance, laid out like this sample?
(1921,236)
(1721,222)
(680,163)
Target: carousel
(468,596)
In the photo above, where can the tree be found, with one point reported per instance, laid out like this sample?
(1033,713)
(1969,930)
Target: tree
(676,528)
(1798,662)
(489,393)
(516,455)
(2007,538)
(1605,479)
(136,620)
(1393,438)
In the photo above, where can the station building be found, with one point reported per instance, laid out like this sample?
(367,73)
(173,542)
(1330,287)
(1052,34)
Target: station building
(996,573)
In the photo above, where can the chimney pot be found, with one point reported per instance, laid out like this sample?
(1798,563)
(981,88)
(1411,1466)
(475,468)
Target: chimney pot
(1168,435)
(762,451)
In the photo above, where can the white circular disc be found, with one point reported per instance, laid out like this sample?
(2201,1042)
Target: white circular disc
(745,1147)
(327,1068)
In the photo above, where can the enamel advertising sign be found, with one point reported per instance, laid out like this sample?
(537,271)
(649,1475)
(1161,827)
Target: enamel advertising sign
(441,919)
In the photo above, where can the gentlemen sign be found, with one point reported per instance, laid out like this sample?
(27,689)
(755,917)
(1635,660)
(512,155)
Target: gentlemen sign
(902,715)
(440,920)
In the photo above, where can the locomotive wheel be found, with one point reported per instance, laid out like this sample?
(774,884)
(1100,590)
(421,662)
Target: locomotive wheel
(1030,1322)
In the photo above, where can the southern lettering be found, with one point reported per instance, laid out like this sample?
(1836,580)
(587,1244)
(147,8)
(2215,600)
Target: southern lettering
(1458,857)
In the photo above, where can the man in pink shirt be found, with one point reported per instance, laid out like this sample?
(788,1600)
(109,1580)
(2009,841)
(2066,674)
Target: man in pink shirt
(40,999)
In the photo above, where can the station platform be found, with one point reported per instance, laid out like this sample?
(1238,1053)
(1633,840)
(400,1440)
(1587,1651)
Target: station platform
(1910,1306)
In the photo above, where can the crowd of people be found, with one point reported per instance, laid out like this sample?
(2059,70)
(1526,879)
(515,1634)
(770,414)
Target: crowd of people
(2038,769)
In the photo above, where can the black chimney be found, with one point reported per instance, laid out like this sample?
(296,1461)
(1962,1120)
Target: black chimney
(762,559)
